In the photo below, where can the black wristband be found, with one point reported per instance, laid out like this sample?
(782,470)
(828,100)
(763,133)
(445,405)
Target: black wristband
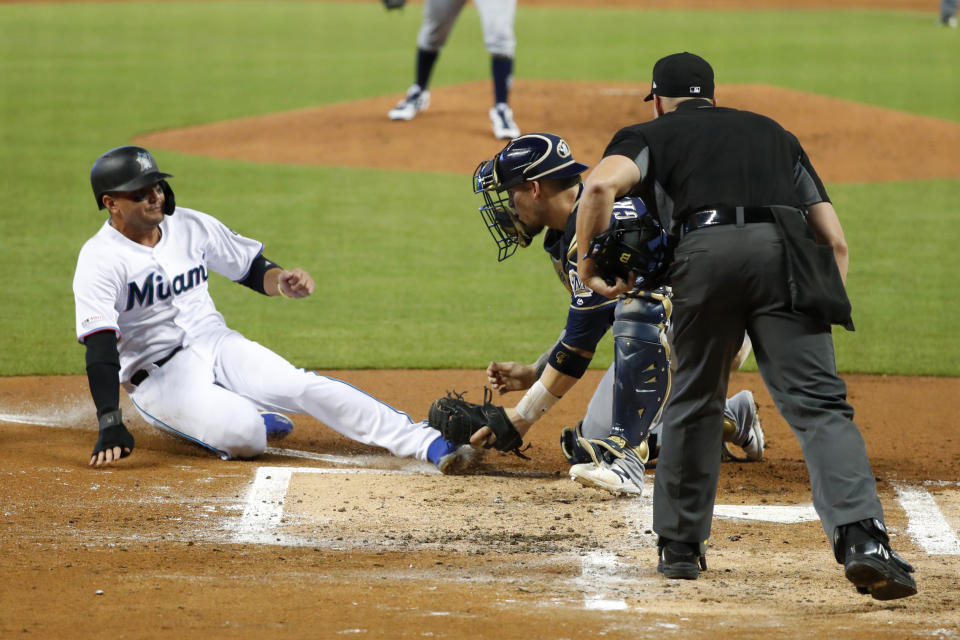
(567,361)
(111,419)
(258,269)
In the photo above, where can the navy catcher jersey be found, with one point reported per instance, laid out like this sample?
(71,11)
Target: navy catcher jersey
(590,314)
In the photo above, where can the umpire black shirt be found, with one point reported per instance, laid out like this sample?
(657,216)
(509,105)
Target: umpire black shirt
(702,157)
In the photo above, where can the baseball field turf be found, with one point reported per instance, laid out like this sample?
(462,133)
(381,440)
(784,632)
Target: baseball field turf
(406,273)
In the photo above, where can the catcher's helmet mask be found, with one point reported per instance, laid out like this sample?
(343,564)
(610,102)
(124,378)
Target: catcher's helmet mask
(129,168)
(534,156)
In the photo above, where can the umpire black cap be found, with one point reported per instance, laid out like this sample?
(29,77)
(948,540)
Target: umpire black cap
(124,169)
(682,75)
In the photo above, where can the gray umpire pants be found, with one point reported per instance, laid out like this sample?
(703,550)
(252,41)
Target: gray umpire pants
(727,279)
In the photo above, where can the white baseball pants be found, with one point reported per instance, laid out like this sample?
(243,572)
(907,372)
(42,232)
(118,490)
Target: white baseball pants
(212,392)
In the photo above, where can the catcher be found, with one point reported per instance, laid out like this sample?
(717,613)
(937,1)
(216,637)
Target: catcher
(533,183)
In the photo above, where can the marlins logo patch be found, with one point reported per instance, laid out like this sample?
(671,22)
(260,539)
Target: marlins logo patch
(145,161)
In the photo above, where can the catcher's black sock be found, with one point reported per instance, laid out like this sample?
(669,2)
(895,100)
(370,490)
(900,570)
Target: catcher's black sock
(425,62)
(502,69)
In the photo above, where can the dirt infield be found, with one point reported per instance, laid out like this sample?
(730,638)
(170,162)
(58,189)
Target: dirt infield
(325,538)
(847,141)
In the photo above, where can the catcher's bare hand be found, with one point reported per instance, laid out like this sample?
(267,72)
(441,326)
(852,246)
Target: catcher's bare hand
(510,376)
(590,277)
(483,437)
(295,283)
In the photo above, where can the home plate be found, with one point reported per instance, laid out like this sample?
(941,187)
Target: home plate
(782,514)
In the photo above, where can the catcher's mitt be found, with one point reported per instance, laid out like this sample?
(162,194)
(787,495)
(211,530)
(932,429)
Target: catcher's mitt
(457,420)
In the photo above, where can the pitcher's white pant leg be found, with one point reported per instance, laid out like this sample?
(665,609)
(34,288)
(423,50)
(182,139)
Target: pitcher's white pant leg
(271,382)
(439,17)
(181,398)
(496,18)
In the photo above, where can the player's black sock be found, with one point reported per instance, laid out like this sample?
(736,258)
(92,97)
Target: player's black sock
(502,70)
(425,61)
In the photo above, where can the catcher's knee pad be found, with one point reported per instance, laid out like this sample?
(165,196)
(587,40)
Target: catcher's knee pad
(642,366)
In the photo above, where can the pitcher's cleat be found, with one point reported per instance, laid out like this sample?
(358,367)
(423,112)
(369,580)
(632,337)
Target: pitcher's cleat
(413,103)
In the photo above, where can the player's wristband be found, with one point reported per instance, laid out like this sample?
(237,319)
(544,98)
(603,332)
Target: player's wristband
(110,419)
(567,361)
(535,402)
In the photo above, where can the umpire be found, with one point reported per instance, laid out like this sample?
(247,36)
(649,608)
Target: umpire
(733,189)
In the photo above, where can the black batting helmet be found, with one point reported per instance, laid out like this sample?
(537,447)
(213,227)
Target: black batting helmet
(533,156)
(127,169)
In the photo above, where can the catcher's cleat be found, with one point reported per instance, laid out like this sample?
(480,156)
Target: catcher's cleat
(869,562)
(680,560)
(570,445)
(614,466)
(278,426)
(745,431)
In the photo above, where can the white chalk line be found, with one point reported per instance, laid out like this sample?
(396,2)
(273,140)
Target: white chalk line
(926,524)
(23,418)
(363,461)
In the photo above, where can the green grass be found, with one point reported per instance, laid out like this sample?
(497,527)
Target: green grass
(406,273)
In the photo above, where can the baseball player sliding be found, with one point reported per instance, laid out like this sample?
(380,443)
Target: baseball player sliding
(145,315)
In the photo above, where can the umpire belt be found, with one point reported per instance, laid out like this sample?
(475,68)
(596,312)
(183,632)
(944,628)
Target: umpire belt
(142,374)
(726,215)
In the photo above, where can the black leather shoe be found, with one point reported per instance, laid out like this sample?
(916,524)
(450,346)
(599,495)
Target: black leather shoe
(681,560)
(871,565)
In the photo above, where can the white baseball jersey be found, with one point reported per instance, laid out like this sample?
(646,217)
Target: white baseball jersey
(157,298)
(213,390)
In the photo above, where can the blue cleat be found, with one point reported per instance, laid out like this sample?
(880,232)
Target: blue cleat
(449,458)
(278,425)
